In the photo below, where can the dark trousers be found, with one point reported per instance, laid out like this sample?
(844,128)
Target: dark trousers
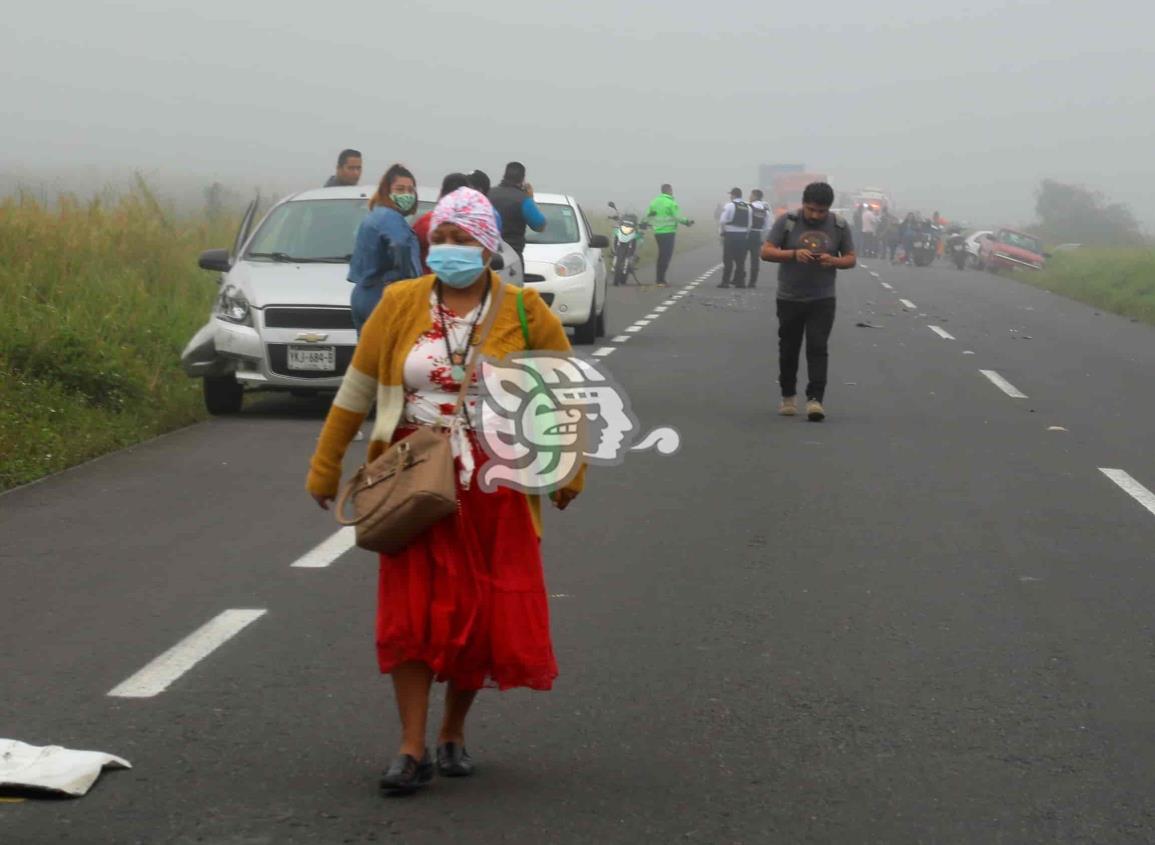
(734,250)
(754,245)
(814,320)
(665,254)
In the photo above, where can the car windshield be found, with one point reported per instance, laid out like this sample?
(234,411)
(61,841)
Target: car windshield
(1021,241)
(561,225)
(309,230)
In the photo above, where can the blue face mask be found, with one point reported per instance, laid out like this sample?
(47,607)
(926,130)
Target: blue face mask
(456,266)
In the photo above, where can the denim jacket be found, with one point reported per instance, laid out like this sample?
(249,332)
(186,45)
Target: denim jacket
(386,250)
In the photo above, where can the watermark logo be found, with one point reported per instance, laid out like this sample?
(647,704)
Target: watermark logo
(543,414)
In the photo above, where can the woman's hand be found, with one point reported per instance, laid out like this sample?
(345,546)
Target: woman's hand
(562,498)
(322,500)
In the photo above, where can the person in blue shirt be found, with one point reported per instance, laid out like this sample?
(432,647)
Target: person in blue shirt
(513,200)
(386,249)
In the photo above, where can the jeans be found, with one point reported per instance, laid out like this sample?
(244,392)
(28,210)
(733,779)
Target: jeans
(363,300)
(755,247)
(734,250)
(814,319)
(665,253)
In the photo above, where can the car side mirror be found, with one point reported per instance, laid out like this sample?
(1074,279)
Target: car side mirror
(496,263)
(611,205)
(599,242)
(215,259)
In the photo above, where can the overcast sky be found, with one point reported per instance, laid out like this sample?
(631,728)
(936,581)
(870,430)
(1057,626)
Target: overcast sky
(960,107)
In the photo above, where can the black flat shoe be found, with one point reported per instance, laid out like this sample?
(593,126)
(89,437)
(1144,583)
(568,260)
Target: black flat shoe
(407,774)
(453,761)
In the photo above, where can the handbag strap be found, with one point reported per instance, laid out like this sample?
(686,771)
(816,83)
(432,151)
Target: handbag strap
(475,353)
(521,316)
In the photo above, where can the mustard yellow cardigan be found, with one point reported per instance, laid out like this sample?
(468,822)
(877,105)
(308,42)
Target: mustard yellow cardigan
(377,372)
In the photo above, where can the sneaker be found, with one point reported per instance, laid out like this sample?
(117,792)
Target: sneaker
(814,411)
(789,406)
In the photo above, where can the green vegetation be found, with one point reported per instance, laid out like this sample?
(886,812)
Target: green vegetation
(1117,280)
(99,298)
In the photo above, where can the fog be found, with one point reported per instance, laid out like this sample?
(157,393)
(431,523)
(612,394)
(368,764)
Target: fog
(957,107)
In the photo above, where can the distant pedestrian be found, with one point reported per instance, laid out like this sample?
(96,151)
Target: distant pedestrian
(907,231)
(760,223)
(348,170)
(665,217)
(870,220)
(386,250)
(811,247)
(734,228)
(513,201)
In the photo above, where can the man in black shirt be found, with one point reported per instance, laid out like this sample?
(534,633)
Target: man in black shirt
(348,170)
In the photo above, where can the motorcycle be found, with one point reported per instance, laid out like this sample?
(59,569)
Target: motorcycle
(925,246)
(956,248)
(627,244)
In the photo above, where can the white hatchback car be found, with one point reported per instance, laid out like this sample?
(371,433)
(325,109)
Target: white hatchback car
(564,263)
(282,319)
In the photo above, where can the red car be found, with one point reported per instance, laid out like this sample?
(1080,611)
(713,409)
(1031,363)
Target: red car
(1007,249)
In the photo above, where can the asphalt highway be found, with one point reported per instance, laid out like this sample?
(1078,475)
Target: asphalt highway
(928,619)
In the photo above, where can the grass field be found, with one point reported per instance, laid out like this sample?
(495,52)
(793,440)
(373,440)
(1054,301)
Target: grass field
(1117,280)
(99,297)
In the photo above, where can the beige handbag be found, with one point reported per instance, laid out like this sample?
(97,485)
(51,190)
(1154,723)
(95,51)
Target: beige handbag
(411,486)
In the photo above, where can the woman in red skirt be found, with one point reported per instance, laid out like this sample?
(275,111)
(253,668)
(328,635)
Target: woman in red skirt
(465,603)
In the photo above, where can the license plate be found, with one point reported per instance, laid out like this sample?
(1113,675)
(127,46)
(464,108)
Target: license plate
(323,358)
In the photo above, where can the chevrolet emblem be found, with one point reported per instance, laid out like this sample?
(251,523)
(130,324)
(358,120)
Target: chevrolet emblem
(312,337)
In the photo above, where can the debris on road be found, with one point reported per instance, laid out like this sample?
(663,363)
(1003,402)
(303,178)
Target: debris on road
(52,768)
(863,324)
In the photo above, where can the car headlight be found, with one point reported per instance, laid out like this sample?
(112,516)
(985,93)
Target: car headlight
(232,306)
(573,264)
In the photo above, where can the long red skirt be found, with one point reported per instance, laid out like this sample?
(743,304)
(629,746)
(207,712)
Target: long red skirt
(468,596)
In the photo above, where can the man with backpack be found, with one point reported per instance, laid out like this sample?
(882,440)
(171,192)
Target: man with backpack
(811,246)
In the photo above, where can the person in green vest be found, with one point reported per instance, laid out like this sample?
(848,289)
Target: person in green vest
(665,217)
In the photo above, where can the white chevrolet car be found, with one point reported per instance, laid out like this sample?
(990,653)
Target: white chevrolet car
(564,263)
(282,319)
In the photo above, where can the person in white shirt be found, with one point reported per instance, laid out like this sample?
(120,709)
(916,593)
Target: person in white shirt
(870,221)
(761,220)
(734,228)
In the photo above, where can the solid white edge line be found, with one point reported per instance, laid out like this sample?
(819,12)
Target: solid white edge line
(1131,487)
(941,332)
(604,351)
(328,551)
(1003,385)
(158,675)
(622,338)
(906,303)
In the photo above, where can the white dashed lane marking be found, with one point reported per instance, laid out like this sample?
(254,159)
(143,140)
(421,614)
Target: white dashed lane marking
(634,329)
(622,338)
(888,287)
(158,675)
(1003,385)
(1131,487)
(604,351)
(941,332)
(906,303)
(328,551)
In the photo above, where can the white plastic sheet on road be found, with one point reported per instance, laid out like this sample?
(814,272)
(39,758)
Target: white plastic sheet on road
(52,768)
